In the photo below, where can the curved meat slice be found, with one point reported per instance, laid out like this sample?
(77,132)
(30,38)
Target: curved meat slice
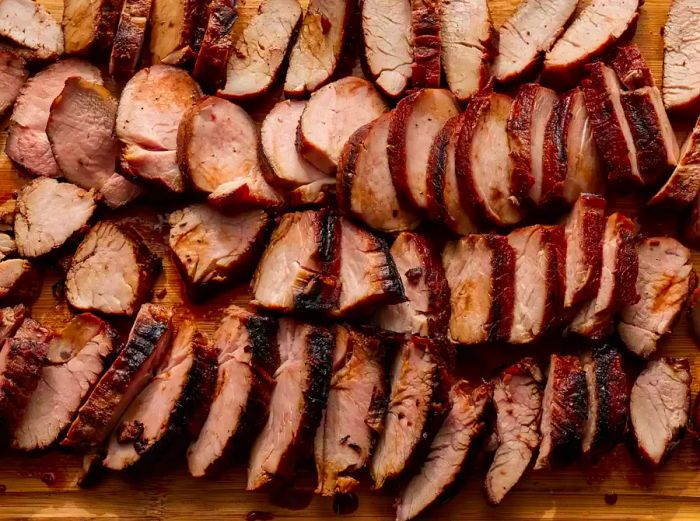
(49,213)
(247,360)
(152,104)
(129,38)
(75,360)
(517,397)
(301,389)
(8,246)
(212,248)
(89,26)
(665,281)
(681,87)
(483,171)
(81,132)
(346,435)
(215,47)
(27,143)
(332,115)
(364,185)
(259,52)
(173,25)
(564,412)
(388,44)
(597,27)
(20,281)
(414,124)
(425,25)
(529,33)
(426,310)
(13,74)
(29,25)
(112,271)
(682,188)
(448,451)
(466,36)
(659,407)
(631,67)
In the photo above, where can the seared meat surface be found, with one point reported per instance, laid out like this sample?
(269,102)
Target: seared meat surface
(215,44)
(173,28)
(89,26)
(631,67)
(30,26)
(425,26)
(129,38)
(682,188)
(20,281)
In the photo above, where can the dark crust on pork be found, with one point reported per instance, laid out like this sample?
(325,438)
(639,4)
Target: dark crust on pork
(437,162)
(129,38)
(215,48)
(503,289)
(683,186)
(555,244)
(26,288)
(425,21)
(519,138)
(631,68)
(396,147)
(627,264)
(346,167)
(554,155)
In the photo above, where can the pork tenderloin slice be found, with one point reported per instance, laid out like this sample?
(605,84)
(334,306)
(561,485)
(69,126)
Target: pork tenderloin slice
(172,28)
(11,319)
(8,246)
(665,281)
(683,186)
(631,67)
(681,70)
(13,74)
(130,372)
(129,38)
(659,407)
(89,26)
(20,282)
(30,26)
(425,26)
(215,47)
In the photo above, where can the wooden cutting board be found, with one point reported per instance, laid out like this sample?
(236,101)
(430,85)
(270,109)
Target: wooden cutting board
(44,486)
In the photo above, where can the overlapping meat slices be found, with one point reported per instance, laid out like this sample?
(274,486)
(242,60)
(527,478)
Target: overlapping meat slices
(89,26)
(659,406)
(665,281)
(173,30)
(129,38)
(20,281)
(8,246)
(631,67)
(75,360)
(425,25)
(301,388)
(350,423)
(29,25)
(13,74)
(448,451)
(681,67)
(682,188)
(216,43)
(517,397)
(126,377)
(564,412)
(247,359)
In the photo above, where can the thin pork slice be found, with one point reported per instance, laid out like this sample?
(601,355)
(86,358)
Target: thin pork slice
(216,44)
(13,74)
(30,26)
(631,67)
(173,26)
(682,188)
(129,38)
(89,26)
(425,25)
(681,72)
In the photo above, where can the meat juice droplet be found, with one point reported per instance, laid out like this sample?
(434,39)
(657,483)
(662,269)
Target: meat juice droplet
(611,499)
(259,515)
(345,504)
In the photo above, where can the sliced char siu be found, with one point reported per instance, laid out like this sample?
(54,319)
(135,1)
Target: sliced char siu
(484,174)
(597,27)
(216,43)
(388,44)
(29,25)
(466,37)
(81,133)
(212,248)
(414,124)
(425,27)
(173,25)
(112,271)
(13,74)
(448,451)
(480,273)
(27,143)
(517,397)
(48,214)
(426,310)
(682,188)
(152,104)
(247,360)
(631,67)
(659,407)
(415,404)
(75,360)
(583,230)
(131,371)
(316,54)
(364,186)
(529,33)
(11,319)
(539,281)
(129,38)
(302,382)
(681,67)
(89,26)
(617,280)
(564,412)
(20,281)
(665,281)
(346,435)
(332,115)
(608,399)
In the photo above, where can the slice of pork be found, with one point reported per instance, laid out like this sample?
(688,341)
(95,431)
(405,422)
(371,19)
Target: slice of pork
(50,213)
(529,33)
(8,246)
(665,281)
(89,26)
(296,406)
(631,67)
(414,124)
(20,282)
(30,26)
(13,74)
(425,26)
(173,24)
(11,318)
(564,412)
(27,143)
(517,397)
(316,54)
(681,87)
(129,38)
(659,406)
(247,360)
(216,44)
(259,52)
(332,115)
(126,377)
(682,188)
(426,310)
(112,271)
(448,451)
(75,360)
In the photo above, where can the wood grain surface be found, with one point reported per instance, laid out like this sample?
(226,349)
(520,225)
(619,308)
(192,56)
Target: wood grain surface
(44,486)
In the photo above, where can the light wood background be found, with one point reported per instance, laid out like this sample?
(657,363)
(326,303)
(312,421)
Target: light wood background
(44,486)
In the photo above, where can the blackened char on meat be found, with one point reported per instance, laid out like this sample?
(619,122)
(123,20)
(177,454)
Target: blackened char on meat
(631,67)
(216,43)
(425,25)
(129,38)
(682,188)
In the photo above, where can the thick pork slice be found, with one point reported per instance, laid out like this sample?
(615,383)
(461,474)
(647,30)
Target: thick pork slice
(13,74)
(247,359)
(665,281)
(215,45)
(681,68)
(301,388)
(659,406)
(425,25)
(112,271)
(20,281)
(126,377)
(631,67)
(89,26)
(448,451)
(173,26)
(682,188)
(75,360)
(129,38)
(30,26)
(517,397)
